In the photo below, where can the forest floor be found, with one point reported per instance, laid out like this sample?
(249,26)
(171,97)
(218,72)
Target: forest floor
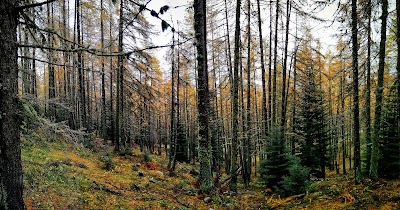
(62,175)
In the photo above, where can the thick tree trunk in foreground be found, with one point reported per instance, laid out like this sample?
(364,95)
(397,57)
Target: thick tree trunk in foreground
(206,183)
(10,153)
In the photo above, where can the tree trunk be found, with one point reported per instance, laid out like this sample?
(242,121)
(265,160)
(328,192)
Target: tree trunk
(235,100)
(11,184)
(368,92)
(119,115)
(274,99)
(102,72)
(283,111)
(247,157)
(203,104)
(264,91)
(379,94)
(356,122)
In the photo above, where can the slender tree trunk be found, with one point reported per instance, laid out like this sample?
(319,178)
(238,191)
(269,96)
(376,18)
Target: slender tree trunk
(264,91)
(119,115)
(235,123)
(11,183)
(379,94)
(102,72)
(274,99)
(51,78)
(283,111)
(247,157)
(356,122)
(368,92)
(203,105)
(398,64)
(173,111)
(343,120)
(269,122)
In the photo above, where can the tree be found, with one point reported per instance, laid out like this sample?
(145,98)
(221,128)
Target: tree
(356,122)
(205,178)
(235,100)
(368,91)
(264,93)
(11,184)
(379,94)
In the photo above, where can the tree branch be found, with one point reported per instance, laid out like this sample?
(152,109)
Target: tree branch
(20,8)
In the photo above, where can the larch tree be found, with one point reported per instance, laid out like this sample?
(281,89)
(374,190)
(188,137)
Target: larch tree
(235,101)
(356,122)
(203,104)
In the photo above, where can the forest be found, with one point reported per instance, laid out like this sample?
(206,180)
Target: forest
(195,104)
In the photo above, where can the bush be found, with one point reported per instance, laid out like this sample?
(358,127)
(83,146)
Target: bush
(147,156)
(108,162)
(297,179)
(274,168)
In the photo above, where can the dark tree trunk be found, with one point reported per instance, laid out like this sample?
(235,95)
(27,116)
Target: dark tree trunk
(274,99)
(264,91)
(235,99)
(356,122)
(368,92)
(119,116)
(203,104)
(11,184)
(247,157)
(102,71)
(379,94)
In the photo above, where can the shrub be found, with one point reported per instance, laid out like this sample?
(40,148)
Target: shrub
(297,179)
(107,161)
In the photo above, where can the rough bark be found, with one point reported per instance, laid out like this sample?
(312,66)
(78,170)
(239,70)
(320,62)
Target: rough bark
(235,100)
(203,104)
(11,184)
(356,122)
(379,94)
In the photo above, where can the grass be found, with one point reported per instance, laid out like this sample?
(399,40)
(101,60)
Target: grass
(60,175)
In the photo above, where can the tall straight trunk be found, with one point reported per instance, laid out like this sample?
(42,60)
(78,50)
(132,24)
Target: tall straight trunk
(11,183)
(343,120)
(264,91)
(398,64)
(65,55)
(119,115)
(203,105)
(269,122)
(247,157)
(274,99)
(356,122)
(235,124)
(173,111)
(112,123)
(51,77)
(34,86)
(368,92)
(379,94)
(283,110)
(102,71)
(81,90)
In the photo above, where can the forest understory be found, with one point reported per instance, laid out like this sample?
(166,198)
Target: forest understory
(61,174)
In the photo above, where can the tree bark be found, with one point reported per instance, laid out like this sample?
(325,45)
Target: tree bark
(11,183)
(235,97)
(203,104)
(356,122)
(264,91)
(379,94)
